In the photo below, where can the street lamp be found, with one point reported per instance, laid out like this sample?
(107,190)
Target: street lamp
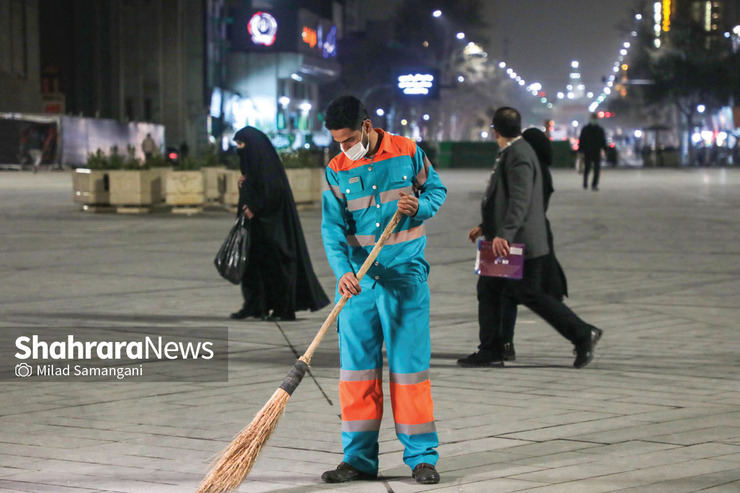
(437,13)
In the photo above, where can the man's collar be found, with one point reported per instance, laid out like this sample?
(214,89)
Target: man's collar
(385,144)
(509,143)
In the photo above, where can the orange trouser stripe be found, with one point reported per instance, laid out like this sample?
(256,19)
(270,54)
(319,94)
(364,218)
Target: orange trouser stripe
(412,404)
(361,400)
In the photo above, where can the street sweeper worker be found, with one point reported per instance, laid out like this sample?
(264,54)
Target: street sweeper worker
(376,174)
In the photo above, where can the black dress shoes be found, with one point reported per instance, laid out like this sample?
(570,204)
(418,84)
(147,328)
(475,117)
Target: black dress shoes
(425,474)
(240,315)
(481,360)
(509,353)
(345,473)
(585,351)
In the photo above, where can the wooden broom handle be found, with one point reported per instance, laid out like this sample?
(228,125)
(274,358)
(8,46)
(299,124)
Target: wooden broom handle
(306,358)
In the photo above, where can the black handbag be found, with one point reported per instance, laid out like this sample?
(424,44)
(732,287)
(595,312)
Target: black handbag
(231,259)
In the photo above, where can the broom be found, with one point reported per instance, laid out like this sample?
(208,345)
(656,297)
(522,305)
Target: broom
(238,458)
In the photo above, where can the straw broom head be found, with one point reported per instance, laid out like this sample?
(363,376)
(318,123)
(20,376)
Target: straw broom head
(238,458)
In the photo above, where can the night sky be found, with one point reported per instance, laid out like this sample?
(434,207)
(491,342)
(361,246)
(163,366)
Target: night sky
(545,35)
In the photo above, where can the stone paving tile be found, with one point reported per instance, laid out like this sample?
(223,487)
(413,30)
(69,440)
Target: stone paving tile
(27,486)
(707,482)
(657,409)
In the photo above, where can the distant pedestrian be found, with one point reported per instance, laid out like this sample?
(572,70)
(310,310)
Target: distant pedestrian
(35,148)
(513,212)
(149,146)
(279,278)
(591,142)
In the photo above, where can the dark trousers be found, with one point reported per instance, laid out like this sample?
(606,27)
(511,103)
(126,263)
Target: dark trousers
(595,163)
(494,304)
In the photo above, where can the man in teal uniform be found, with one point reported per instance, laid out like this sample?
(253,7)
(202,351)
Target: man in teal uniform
(376,174)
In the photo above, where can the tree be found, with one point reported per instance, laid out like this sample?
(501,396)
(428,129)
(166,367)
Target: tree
(691,67)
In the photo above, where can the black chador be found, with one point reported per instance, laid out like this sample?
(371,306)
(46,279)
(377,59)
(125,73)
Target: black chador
(279,278)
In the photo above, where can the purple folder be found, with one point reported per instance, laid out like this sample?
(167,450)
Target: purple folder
(511,266)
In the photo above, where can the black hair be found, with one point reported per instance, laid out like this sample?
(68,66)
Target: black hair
(507,122)
(345,112)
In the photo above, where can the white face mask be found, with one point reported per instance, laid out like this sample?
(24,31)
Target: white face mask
(358,150)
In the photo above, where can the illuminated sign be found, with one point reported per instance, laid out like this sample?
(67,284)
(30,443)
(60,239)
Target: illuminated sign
(329,47)
(310,36)
(416,84)
(262,28)
(315,37)
(666,15)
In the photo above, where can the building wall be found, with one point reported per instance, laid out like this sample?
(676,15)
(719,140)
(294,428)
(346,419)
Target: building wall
(161,67)
(19,57)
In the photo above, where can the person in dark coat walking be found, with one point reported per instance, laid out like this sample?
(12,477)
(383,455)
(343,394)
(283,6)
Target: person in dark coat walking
(591,142)
(513,212)
(279,278)
(554,282)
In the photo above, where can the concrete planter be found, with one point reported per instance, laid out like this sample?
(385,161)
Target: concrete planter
(230,187)
(90,187)
(306,184)
(136,188)
(185,191)
(212,183)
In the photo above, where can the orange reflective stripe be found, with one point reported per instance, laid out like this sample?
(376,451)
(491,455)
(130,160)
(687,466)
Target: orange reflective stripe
(412,404)
(361,400)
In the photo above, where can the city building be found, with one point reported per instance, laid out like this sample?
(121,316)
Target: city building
(268,61)
(200,68)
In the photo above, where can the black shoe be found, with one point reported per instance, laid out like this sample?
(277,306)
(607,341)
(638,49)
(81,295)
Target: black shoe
(481,360)
(585,351)
(509,353)
(240,315)
(425,474)
(345,473)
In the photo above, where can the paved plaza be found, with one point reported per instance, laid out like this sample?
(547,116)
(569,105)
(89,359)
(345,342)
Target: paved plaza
(653,259)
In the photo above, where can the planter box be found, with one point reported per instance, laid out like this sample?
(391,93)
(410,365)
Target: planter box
(90,187)
(230,187)
(185,189)
(306,184)
(212,183)
(137,187)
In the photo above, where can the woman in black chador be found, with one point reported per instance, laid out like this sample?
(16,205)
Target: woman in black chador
(279,279)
